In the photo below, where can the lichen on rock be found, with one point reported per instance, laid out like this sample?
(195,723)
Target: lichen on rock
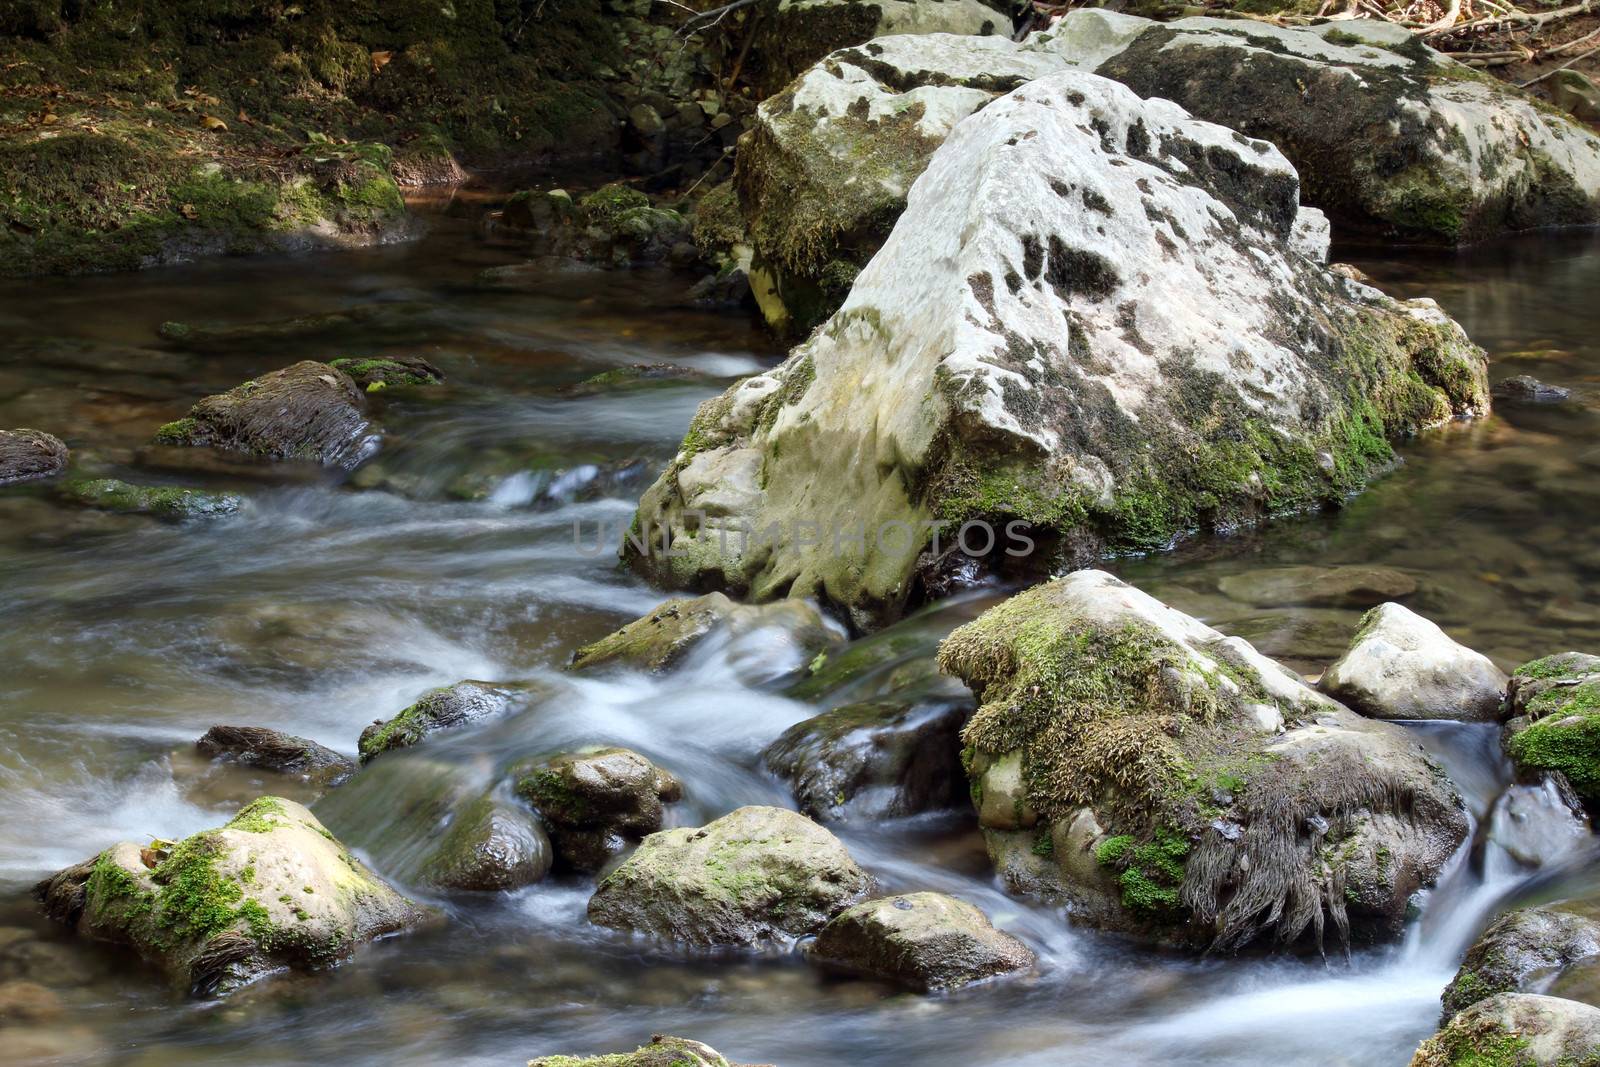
(1167,780)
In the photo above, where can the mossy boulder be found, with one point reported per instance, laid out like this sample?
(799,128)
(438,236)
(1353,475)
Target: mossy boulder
(273,750)
(164,502)
(1516,1030)
(1168,781)
(663,1051)
(1390,137)
(1103,367)
(595,800)
(444,708)
(309,411)
(927,941)
(1526,950)
(1401,666)
(491,845)
(1554,727)
(28,455)
(878,759)
(269,891)
(755,876)
(778,637)
(377,373)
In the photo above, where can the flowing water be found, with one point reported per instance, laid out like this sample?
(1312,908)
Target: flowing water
(321,606)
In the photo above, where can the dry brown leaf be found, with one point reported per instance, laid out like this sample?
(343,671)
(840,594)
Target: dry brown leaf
(380,60)
(188,211)
(211,122)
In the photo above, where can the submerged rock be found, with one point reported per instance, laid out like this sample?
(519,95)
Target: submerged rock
(27,455)
(927,941)
(381,372)
(165,502)
(1146,350)
(439,709)
(1347,586)
(1401,666)
(595,800)
(1526,389)
(663,1051)
(1517,1030)
(663,639)
(1163,779)
(271,890)
(491,845)
(1555,725)
(877,759)
(309,411)
(272,750)
(1524,951)
(754,876)
(615,225)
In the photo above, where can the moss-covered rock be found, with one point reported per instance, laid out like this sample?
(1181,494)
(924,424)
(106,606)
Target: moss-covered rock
(1105,366)
(1516,1030)
(309,411)
(927,941)
(1555,720)
(878,759)
(28,455)
(755,876)
(271,890)
(663,1051)
(1172,782)
(165,502)
(593,801)
(491,845)
(377,373)
(273,750)
(444,708)
(1525,951)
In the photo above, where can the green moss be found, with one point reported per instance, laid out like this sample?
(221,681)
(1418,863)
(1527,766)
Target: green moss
(259,816)
(168,502)
(195,899)
(608,204)
(1566,740)
(1151,871)
(552,793)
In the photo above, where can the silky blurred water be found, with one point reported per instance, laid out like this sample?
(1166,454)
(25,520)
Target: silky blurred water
(323,605)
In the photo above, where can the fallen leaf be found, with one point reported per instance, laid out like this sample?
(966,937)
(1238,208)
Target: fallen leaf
(188,211)
(49,119)
(380,60)
(211,122)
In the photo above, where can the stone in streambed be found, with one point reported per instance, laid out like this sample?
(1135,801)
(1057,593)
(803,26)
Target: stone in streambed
(595,800)
(927,941)
(1554,727)
(877,759)
(444,708)
(757,875)
(663,1051)
(163,502)
(272,750)
(269,891)
(1525,951)
(310,411)
(1167,781)
(27,455)
(377,373)
(1516,1030)
(1354,586)
(1526,389)
(1401,666)
(491,845)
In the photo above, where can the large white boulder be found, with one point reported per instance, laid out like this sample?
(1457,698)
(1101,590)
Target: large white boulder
(1402,666)
(1098,316)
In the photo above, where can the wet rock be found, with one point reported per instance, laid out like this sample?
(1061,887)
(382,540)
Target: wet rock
(256,746)
(270,890)
(534,210)
(1162,779)
(28,1002)
(310,411)
(615,225)
(798,33)
(27,455)
(1353,586)
(903,400)
(1555,725)
(595,800)
(164,502)
(1520,1029)
(1401,666)
(878,759)
(754,876)
(665,638)
(1524,951)
(362,322)
(1526,389)
(1577,94)
(382,372)
(927,941)
(444,708)
(663,1051)
(632,375)
(492,845)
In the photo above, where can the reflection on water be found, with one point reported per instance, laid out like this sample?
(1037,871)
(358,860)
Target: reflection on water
(319,607)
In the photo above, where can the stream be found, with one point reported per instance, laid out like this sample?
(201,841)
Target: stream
(466,550)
